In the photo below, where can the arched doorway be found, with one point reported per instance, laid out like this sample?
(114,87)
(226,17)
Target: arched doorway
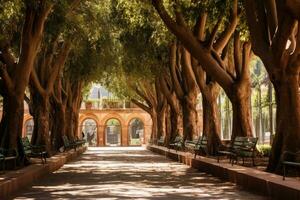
(29,124)
(89,129)
(113,132)
(136,132)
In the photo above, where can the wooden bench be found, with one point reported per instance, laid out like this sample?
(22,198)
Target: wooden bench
(243,147)
(78,142)
(161,141)
(191,144)
(177,143)
(33,151)
(290,159)
(68,144)
(201,146)
(6,156)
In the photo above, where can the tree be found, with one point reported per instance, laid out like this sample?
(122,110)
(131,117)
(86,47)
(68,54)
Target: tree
(15,73)
(185,87)
(211,54)
(274,30)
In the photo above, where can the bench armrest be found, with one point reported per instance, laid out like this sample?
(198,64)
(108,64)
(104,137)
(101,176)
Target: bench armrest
(288,153)
(38,147)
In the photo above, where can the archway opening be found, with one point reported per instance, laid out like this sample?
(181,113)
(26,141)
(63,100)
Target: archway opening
(29,125)
(113,132)
(89,130)
(136,132)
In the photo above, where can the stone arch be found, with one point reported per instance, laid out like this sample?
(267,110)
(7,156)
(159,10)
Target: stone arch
(27,118)
(135,136)
(123,127)
(82,119)
(112,116)
(135,116)
(85,116)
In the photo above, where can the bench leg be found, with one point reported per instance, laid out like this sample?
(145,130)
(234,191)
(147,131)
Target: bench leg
(284,171)
(45,158)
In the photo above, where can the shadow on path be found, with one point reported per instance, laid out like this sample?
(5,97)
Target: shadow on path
(130,173)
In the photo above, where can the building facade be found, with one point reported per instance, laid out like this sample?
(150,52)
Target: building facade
(108,127)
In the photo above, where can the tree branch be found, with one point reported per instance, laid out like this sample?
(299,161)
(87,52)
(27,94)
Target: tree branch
(237,54)
(197,49)
(293,6)
(142,106)
(9,85)
(188,70)
(271,17)
(58,65)
(213,34)
(35,82)
(226,35)
(246,60)
(5,56)
(260,44)
(199,29)
(174,58)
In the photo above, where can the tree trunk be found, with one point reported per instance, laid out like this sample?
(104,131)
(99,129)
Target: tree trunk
(260,116)
(168,125)
(270,99)
(11,122)
(241,125)
(211,123)
(41,117)
(189,117)
(75,122)
(287,137)
(59,126)
(154,127)
(161,128)
(175,125)
(69,123)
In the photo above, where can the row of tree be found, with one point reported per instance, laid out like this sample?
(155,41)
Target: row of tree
(52,49)
(210,48)
(49,51)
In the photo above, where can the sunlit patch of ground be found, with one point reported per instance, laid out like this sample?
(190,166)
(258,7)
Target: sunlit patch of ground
(113,173)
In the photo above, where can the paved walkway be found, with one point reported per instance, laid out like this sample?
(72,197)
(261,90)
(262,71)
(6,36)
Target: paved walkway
(130,173)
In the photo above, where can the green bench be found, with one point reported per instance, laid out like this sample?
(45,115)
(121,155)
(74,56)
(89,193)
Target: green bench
(79,142)
(161,141)
(197,145)
(242,147)
(290,159)
(177,143)
(33,151)
(191,144)
(69,144)
(8,156)
(201,146)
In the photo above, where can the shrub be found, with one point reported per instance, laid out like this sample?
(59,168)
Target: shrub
(264,149)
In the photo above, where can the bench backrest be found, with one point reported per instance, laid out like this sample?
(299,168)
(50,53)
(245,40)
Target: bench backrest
(244,142)
(26,145)
(203,140)
(8,152)
(177,138)
(65,140)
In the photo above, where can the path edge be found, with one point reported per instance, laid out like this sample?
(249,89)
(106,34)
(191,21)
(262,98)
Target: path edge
(13,181)
(253,180)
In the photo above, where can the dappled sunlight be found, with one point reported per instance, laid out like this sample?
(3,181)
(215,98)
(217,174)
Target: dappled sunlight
(130,173)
